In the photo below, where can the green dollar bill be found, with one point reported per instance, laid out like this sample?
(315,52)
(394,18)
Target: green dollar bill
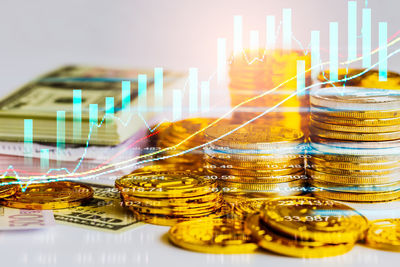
(102,213)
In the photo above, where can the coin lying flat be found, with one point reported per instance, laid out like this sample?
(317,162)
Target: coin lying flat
(384,234)
(227,236)
(8,188)
(294,247)
(51,195)
(310,218)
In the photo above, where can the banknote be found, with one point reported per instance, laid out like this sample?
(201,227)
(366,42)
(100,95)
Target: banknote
(18,219)
(67,101)
(103,213)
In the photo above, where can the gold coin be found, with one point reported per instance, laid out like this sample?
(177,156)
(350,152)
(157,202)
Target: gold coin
(357,164)
(274,158)
(176,211)
(354,180)
(296,185)
(377,148)
(50,195)
(169,167)
(355,129)
(174,202)
(246,207)
(214,163)
(172,220)
(254,136)
(354,136)
(310,218)
(346,188)
(257,180)
(8,188)
(165,185)
(253,172)
(294,247)
(221,236)
(384,234)
(358,197)
(356,99)
(355,122)
(357,114)
(357,173)
(260,164)
(354,159)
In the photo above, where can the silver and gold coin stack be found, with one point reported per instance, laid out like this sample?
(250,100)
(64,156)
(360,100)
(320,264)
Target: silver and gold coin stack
(355,144)
(165,194)
(172,136)
(255,160)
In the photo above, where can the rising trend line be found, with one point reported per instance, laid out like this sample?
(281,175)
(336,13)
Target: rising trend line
(69,177)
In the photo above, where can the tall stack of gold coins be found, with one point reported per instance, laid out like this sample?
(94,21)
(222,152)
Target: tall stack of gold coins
(255,160)
(173,138)
(355,144)
(160,196)
(255,72)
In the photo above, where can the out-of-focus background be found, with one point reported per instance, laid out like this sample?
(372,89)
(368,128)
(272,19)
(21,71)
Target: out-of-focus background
(37,36)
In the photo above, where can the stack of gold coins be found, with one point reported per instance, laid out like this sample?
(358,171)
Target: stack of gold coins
(255,160)
(254,72)
(361,78)
(355,144)
(166,197)
(172,136)
(306,227)
(43,196)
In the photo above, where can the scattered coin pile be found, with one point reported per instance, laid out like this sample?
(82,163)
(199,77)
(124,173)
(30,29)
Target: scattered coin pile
(256,72)
(165,197)
(294,226)
(43,196)
(355,144)
(255,159)
(171,136)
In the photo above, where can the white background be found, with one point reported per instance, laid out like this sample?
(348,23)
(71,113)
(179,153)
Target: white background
(39,35)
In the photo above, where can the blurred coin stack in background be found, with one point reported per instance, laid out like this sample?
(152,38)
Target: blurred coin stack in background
(253,73)
(369,79)
(160,196)
(355,144)
(171,135)
(255,160)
